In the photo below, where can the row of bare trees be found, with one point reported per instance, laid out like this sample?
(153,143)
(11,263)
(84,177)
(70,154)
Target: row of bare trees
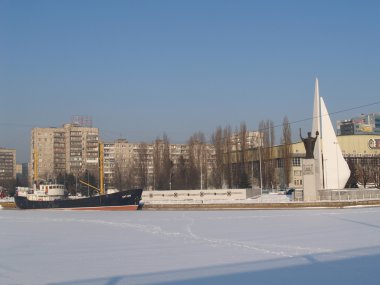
(364,171)
(157,166)
(230,164)
(230,160)
(243,158)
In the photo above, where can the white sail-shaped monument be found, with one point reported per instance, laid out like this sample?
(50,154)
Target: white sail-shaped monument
(335,167)
(332,171)
(318,145)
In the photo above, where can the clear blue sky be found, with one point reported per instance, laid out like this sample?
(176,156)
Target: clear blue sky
(141,68)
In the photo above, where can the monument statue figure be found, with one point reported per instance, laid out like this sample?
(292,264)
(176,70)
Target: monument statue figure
(309,143)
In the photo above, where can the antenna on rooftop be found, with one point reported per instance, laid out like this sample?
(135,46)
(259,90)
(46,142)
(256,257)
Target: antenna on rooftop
(82,121)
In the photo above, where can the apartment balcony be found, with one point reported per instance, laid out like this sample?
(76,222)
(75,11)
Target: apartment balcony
(59,149)
(59,165)
(76,139)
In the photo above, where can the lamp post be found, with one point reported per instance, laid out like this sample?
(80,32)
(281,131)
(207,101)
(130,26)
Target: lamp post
(252,144)
(88,181)
(324,172)
(261,174)
(201,177)
(171,174)
(337,163)
(252,172)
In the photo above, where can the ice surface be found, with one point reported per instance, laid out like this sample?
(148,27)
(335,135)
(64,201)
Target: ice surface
(319,246)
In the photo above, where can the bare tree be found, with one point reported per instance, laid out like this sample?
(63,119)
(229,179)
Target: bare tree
(117,180)
(268,166)
(286,152)
(128,168)
(180,177)
(157,153)
(193,171)
(217,172)
(235,158)
(197,171)
(376,174)
(162,164)
(243,181)
(142,165)
(167,164)
(228,173)
(364,172)
(130,175)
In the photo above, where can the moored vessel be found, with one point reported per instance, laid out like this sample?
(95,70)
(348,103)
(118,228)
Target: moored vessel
(48,196)
(54,196)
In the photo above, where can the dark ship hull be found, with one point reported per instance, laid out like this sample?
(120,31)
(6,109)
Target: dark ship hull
(123,200)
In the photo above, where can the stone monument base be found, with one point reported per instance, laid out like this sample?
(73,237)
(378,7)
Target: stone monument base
(309,185)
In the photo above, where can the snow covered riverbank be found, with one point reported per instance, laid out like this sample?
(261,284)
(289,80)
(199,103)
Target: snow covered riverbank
(206,247)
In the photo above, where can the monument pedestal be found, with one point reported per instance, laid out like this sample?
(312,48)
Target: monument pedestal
(309,179)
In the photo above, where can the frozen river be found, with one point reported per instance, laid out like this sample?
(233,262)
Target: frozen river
(319,246)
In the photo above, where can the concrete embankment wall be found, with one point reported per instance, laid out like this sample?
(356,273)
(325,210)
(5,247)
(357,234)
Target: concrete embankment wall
(198,196)
(251,199)
(262,206)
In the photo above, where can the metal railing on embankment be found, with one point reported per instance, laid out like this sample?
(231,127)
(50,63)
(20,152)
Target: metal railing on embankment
(348,195)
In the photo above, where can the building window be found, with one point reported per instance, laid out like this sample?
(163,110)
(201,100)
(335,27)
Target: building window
(296,161)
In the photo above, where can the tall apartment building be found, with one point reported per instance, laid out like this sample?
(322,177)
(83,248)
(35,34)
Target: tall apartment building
(82,151)
(43,148)
(72,149)
(7,164)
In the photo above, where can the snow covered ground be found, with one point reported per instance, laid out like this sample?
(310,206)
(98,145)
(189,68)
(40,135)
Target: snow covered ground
(319,246)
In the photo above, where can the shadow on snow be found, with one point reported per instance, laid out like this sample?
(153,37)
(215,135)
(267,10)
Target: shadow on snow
(331,268)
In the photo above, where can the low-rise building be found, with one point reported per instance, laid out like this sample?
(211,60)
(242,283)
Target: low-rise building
(7,165)
(361,125)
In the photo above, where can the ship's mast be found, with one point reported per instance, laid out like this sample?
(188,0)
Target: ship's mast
(35,165)
(101,171)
